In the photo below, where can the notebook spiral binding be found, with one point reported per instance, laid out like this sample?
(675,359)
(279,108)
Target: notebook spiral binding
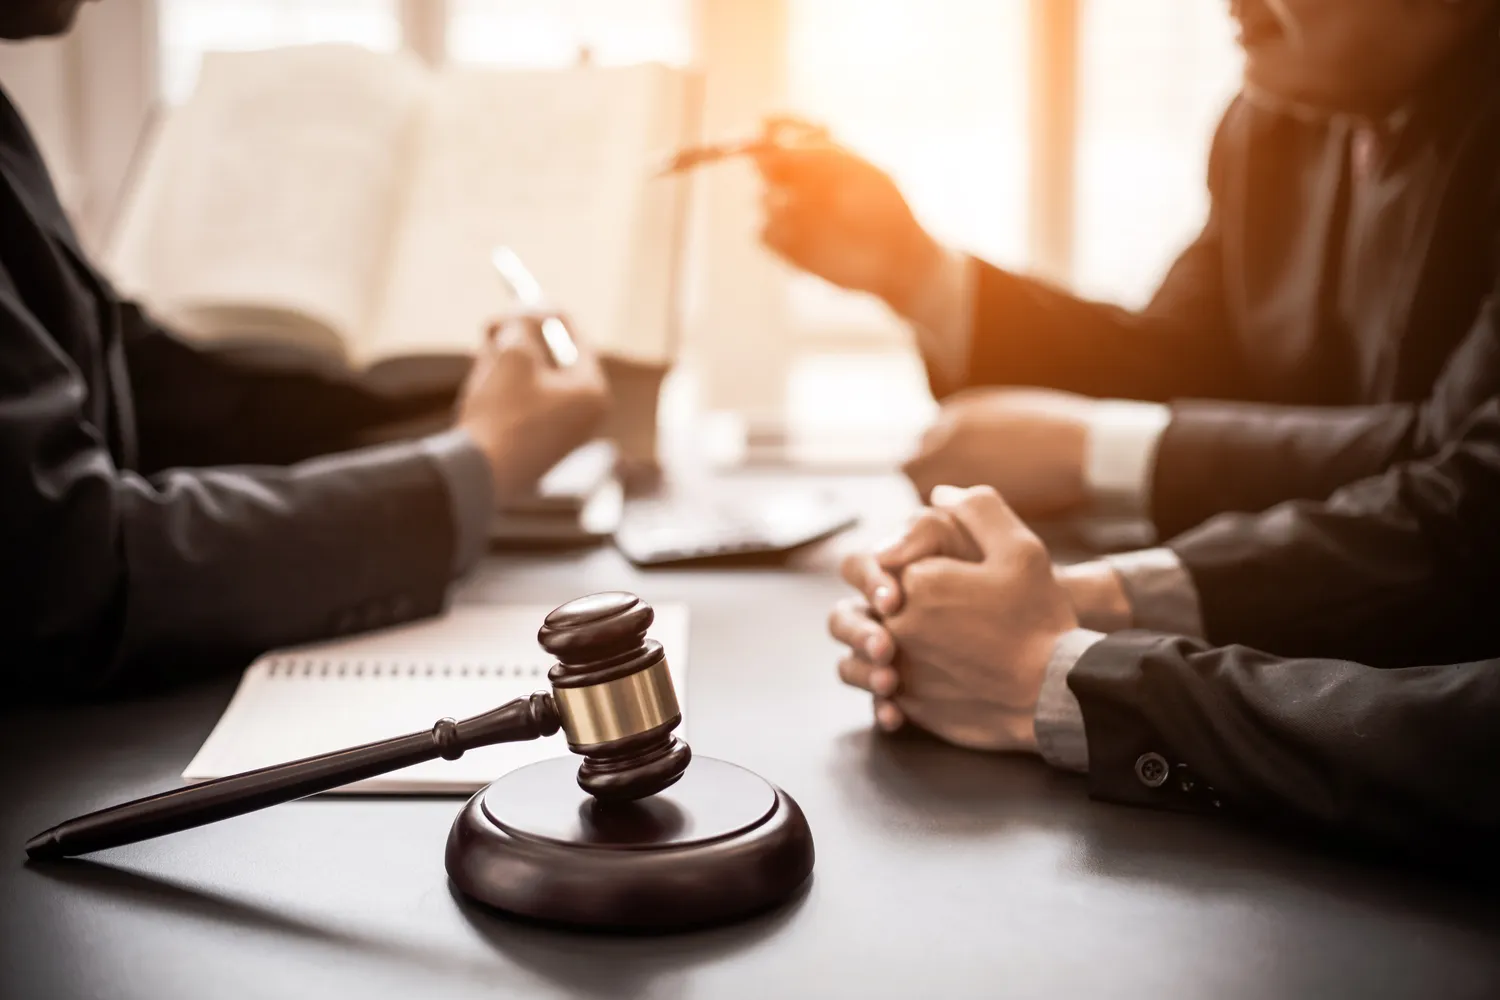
(315,667)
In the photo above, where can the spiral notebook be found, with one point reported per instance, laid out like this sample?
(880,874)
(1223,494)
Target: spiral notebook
(312,699)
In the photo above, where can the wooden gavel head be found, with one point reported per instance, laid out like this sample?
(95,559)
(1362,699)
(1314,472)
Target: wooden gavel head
(614,696)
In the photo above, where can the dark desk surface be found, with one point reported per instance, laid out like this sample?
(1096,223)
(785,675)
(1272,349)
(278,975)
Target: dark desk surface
(939,872)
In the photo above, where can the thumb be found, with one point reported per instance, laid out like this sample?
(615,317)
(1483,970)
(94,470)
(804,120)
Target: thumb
(516,345)
(987,518)
(931,533)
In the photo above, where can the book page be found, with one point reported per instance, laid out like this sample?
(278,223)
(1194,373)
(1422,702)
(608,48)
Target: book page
(557,165)
(273,189)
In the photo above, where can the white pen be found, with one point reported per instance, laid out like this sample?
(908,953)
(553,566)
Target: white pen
(528,294)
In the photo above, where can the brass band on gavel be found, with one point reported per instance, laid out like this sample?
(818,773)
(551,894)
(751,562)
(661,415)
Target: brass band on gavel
(619,708)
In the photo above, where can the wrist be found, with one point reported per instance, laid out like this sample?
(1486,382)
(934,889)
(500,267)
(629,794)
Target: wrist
(1038,655)
(487,442)
(914,268)
(1023,735)
(1098,596)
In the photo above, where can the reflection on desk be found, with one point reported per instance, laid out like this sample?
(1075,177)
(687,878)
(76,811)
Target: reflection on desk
(940,872)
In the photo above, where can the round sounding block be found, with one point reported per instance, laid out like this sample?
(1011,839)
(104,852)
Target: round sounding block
(720,844)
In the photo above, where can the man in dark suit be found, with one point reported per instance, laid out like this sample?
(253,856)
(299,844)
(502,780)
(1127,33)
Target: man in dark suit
(1340,671)
(1336,289)
(978,642)
(169,513)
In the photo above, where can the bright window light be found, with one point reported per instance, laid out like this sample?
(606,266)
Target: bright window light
(558,32)
(190,28)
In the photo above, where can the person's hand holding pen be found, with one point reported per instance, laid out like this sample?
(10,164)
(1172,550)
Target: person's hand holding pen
(836,215)
(831,212)
(524,410)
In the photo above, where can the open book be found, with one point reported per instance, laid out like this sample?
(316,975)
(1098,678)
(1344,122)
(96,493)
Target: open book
(345,202)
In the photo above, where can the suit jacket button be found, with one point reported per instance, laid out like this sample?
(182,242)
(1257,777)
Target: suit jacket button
(1151,769)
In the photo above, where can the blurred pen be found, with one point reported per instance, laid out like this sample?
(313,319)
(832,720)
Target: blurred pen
(777,133)
(696,156)
(528,295)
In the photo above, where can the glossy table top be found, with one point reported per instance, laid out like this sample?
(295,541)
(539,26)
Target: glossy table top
(939,872)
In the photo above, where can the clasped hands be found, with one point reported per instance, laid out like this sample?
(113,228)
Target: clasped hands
(956,622)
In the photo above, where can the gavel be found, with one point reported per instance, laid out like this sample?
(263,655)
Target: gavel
(612,696)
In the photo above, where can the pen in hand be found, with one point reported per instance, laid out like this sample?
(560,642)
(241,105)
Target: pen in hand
(528,294)
(778,133)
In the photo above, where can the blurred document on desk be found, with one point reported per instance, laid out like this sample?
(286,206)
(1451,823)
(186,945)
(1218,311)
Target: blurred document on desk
(313,699)
(345,202)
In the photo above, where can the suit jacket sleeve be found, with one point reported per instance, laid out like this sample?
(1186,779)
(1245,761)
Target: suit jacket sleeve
(1397,569)
(1403,758)
(1026,332)
(198,408)
(1214,456)
(1217,456)
(110,576)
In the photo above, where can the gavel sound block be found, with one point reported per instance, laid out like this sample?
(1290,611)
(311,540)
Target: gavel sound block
(640,840)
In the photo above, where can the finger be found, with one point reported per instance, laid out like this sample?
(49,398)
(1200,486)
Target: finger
(805,169)
(863,572)
(791,216)
(796,208)
(987,518)
(513,348)
(774,165)
(785,125)
(775,200)
(945,496)
(588,365)
(519,333)
(784,166)
(860,673)
(888,716)
(585,375)
(932,533)
(885,682)
(932,586)
(850,623)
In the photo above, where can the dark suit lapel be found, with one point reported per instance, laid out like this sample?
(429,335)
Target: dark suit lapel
(1330,207)
(122,400)
(1453,140)
(1452,215)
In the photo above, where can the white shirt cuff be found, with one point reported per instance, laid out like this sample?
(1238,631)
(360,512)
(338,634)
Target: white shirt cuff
(1120,454)
(1060,734)
(1161,592)
(943,314)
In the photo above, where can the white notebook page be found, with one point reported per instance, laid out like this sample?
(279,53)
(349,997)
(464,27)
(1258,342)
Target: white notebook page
(314,699)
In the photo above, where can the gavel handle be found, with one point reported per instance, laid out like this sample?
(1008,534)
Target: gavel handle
(210,801)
